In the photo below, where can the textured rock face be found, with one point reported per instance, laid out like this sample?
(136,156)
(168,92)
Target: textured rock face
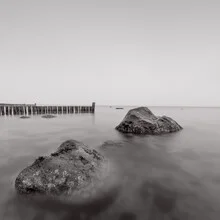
(70,169)
(142,121)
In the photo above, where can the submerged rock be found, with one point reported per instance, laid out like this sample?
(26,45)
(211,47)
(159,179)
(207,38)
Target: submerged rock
(112,144)
(72,168)
(24,117)
(48,116)
(142,121)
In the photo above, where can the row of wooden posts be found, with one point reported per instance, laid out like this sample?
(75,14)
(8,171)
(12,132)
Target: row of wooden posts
(11,109)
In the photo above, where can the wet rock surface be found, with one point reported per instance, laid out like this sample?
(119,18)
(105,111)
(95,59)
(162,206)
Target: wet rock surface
(24,117)
(71,169)
(142,121)
(48,116)
(112,144)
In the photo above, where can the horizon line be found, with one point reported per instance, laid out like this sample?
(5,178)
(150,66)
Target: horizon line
(170,106)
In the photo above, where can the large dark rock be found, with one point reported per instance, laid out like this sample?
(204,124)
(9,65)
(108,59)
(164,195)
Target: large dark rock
(142,121)
(71,169)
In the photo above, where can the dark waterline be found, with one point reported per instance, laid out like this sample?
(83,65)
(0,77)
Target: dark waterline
(173,176)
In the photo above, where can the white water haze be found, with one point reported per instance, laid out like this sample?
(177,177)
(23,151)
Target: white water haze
(112,52)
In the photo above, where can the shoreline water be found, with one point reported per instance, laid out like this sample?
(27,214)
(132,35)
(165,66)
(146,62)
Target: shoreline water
(181,169)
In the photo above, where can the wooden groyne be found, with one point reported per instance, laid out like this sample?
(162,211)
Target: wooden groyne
(29,109)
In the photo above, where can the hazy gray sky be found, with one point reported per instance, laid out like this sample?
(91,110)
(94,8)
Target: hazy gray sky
(130,52)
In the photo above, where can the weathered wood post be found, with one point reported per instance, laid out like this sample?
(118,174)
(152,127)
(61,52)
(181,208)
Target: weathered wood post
(26,110)
(4,110)
(93,107)
(8,110)
(12,110)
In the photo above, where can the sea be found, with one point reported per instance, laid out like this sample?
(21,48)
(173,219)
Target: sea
(168,177)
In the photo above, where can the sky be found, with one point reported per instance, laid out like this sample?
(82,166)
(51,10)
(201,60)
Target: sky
(115,52)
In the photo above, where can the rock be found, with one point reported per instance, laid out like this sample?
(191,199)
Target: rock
(142,121)
(112,144)
(48,116)
(24,117)
(71,169)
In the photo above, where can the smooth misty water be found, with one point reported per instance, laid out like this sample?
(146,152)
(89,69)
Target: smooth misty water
(174,176)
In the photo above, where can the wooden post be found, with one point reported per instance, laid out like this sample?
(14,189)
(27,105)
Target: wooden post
(93,107)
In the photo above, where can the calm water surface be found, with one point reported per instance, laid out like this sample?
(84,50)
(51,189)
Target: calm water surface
(174,176)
